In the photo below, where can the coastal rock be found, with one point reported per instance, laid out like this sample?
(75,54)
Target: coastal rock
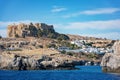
(55,64)
(89,63)
(16,62)
(111,61)
(11,61)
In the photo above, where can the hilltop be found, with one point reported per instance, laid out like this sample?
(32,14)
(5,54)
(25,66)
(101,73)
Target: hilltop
(23,30)
(72,37)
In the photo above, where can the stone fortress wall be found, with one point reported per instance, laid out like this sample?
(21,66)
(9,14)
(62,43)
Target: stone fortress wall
(22,30)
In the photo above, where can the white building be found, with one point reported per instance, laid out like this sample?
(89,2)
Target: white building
(79,43)
(63,48)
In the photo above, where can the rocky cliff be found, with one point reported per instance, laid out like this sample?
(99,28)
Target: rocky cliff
(111,61)
(12,61)
(34,30)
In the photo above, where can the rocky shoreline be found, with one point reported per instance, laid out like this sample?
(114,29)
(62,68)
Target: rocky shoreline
(111,61)
(15,62)
(10,61)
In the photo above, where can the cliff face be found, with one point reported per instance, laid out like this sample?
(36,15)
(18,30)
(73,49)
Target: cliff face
(34,30)
(111,61)
(22,29)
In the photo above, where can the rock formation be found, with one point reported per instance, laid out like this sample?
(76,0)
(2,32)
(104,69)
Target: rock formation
(22,29)
(12,61)
(34,30)
(111,61)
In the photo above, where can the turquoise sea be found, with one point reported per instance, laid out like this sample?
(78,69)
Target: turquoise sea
(85,73)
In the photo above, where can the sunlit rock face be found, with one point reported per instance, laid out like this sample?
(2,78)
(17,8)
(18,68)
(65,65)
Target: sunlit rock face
(34,30)
(111,61)
(22,30)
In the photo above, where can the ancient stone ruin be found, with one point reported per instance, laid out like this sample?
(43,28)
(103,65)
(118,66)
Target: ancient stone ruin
(34,30)
(23,30)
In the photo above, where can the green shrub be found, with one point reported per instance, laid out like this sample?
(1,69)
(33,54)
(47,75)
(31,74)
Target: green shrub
(40,33)
(16,35)
(92,55)
(89,44)
(70,53)
(51,46)
(52,34)
(63,52)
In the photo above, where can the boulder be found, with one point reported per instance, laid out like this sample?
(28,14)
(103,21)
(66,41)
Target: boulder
(111,61)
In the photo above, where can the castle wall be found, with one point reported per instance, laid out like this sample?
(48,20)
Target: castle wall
(22,30)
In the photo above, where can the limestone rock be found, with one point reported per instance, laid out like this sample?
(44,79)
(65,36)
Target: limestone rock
(16,62)
(12,61)
(116,48)
(22,30)
(111,61)
(33,30)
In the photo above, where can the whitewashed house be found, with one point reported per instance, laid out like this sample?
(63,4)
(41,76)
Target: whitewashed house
(63,48)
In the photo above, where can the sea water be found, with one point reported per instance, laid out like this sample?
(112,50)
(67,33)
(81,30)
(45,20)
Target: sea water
(84,73)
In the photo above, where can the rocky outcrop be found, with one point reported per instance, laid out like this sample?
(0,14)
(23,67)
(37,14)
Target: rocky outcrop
(15,62)
(11,61)
(34,30)
(1,47)
(22,30)
(111,61)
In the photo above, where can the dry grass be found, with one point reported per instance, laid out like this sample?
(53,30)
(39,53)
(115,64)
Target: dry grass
(38,52)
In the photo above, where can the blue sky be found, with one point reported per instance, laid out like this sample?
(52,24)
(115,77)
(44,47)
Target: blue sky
(99,18)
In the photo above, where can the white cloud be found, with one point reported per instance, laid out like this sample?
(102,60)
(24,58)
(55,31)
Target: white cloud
(83,27)
(93,12)
(112,35)
(109,24)
(58,9)
(101,11)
